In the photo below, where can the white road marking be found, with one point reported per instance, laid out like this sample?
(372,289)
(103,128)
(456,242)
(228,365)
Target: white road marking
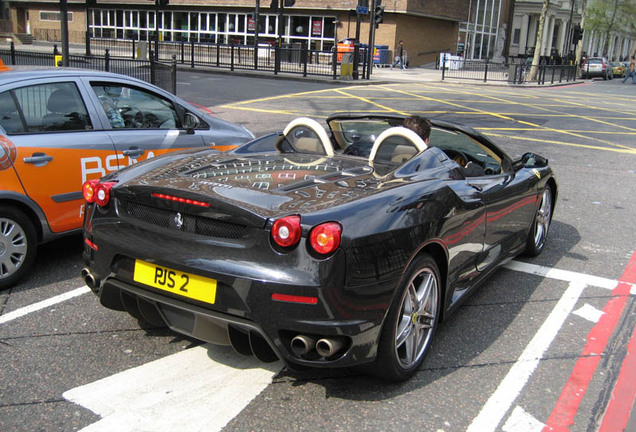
(155,396)
(563,275)
(521,421)
(199,389)
(589,312)
(513,383)
(43,304)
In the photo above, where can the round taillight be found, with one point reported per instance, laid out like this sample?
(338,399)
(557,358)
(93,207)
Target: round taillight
(88,190)
(102,193)
(286,231)
(325,238)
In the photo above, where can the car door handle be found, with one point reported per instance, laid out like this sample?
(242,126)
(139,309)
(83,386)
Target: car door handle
(38,159)
(134,153)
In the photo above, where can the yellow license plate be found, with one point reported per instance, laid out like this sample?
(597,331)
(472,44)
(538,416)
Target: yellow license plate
(174,281)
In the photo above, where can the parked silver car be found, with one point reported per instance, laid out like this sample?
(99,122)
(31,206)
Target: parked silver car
(596,67)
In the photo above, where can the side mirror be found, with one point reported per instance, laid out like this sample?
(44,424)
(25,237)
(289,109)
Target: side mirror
(530,160)
(190,123)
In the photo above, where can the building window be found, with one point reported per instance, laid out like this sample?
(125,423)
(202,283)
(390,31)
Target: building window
(54,16)
(480,31)
(211,27)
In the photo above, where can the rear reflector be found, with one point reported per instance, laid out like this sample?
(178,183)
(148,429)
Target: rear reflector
(91,244)
(294,298)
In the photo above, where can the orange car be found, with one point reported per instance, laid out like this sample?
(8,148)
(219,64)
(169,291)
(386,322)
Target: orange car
(61,127)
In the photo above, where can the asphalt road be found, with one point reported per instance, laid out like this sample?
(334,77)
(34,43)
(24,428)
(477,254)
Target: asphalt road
(507,360)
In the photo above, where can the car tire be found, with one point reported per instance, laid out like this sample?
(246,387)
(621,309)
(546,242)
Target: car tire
(538,234)
(411,322)
(18,245)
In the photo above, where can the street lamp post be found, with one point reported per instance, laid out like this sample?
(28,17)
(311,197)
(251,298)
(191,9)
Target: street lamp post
(89,4)
(64,31)
(256,31)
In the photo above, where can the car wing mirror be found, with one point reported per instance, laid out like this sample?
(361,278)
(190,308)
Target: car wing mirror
(530,160)
(190,123)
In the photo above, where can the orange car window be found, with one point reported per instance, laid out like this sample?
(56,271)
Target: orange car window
(52,107)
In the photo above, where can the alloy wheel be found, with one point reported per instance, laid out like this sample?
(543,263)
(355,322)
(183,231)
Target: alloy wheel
(542,221)
(417,318)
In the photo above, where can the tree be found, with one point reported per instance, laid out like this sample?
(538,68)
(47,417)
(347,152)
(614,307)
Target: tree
(607,17)
(539,45)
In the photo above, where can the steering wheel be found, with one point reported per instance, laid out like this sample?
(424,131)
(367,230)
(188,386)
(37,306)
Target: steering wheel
(140,119)
(457,156)
(132,118)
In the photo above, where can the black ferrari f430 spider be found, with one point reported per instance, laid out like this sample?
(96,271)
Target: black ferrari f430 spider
(320,247)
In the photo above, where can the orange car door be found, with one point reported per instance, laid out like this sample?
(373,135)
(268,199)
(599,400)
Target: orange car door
(60,143)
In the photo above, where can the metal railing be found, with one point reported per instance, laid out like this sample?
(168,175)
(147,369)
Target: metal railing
(163,75)
(512,73)
(292,58)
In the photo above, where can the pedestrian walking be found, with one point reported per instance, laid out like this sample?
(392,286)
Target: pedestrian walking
(631,72)
(399,58)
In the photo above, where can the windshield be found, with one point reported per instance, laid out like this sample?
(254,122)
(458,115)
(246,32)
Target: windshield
(356,137)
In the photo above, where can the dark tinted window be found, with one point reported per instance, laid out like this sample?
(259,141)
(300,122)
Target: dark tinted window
(9,117)
(52,107)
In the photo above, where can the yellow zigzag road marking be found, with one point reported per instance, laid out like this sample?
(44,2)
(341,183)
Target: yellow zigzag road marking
(522,138)
(578,135)
(372,103)
(413,94)
(577,104)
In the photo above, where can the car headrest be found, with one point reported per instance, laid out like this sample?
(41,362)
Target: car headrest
(307,135)
(409,137)
(62,101)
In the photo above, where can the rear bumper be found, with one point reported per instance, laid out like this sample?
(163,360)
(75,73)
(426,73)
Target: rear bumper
(275,326)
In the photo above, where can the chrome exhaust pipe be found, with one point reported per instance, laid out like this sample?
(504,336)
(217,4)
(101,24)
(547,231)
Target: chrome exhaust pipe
(89,279)
(302,344)
(328,347)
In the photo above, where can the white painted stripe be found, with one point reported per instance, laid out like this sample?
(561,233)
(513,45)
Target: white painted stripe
(521,421)
(199,389)
(589,312)
(563,275)
(43,304)
(513,383)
